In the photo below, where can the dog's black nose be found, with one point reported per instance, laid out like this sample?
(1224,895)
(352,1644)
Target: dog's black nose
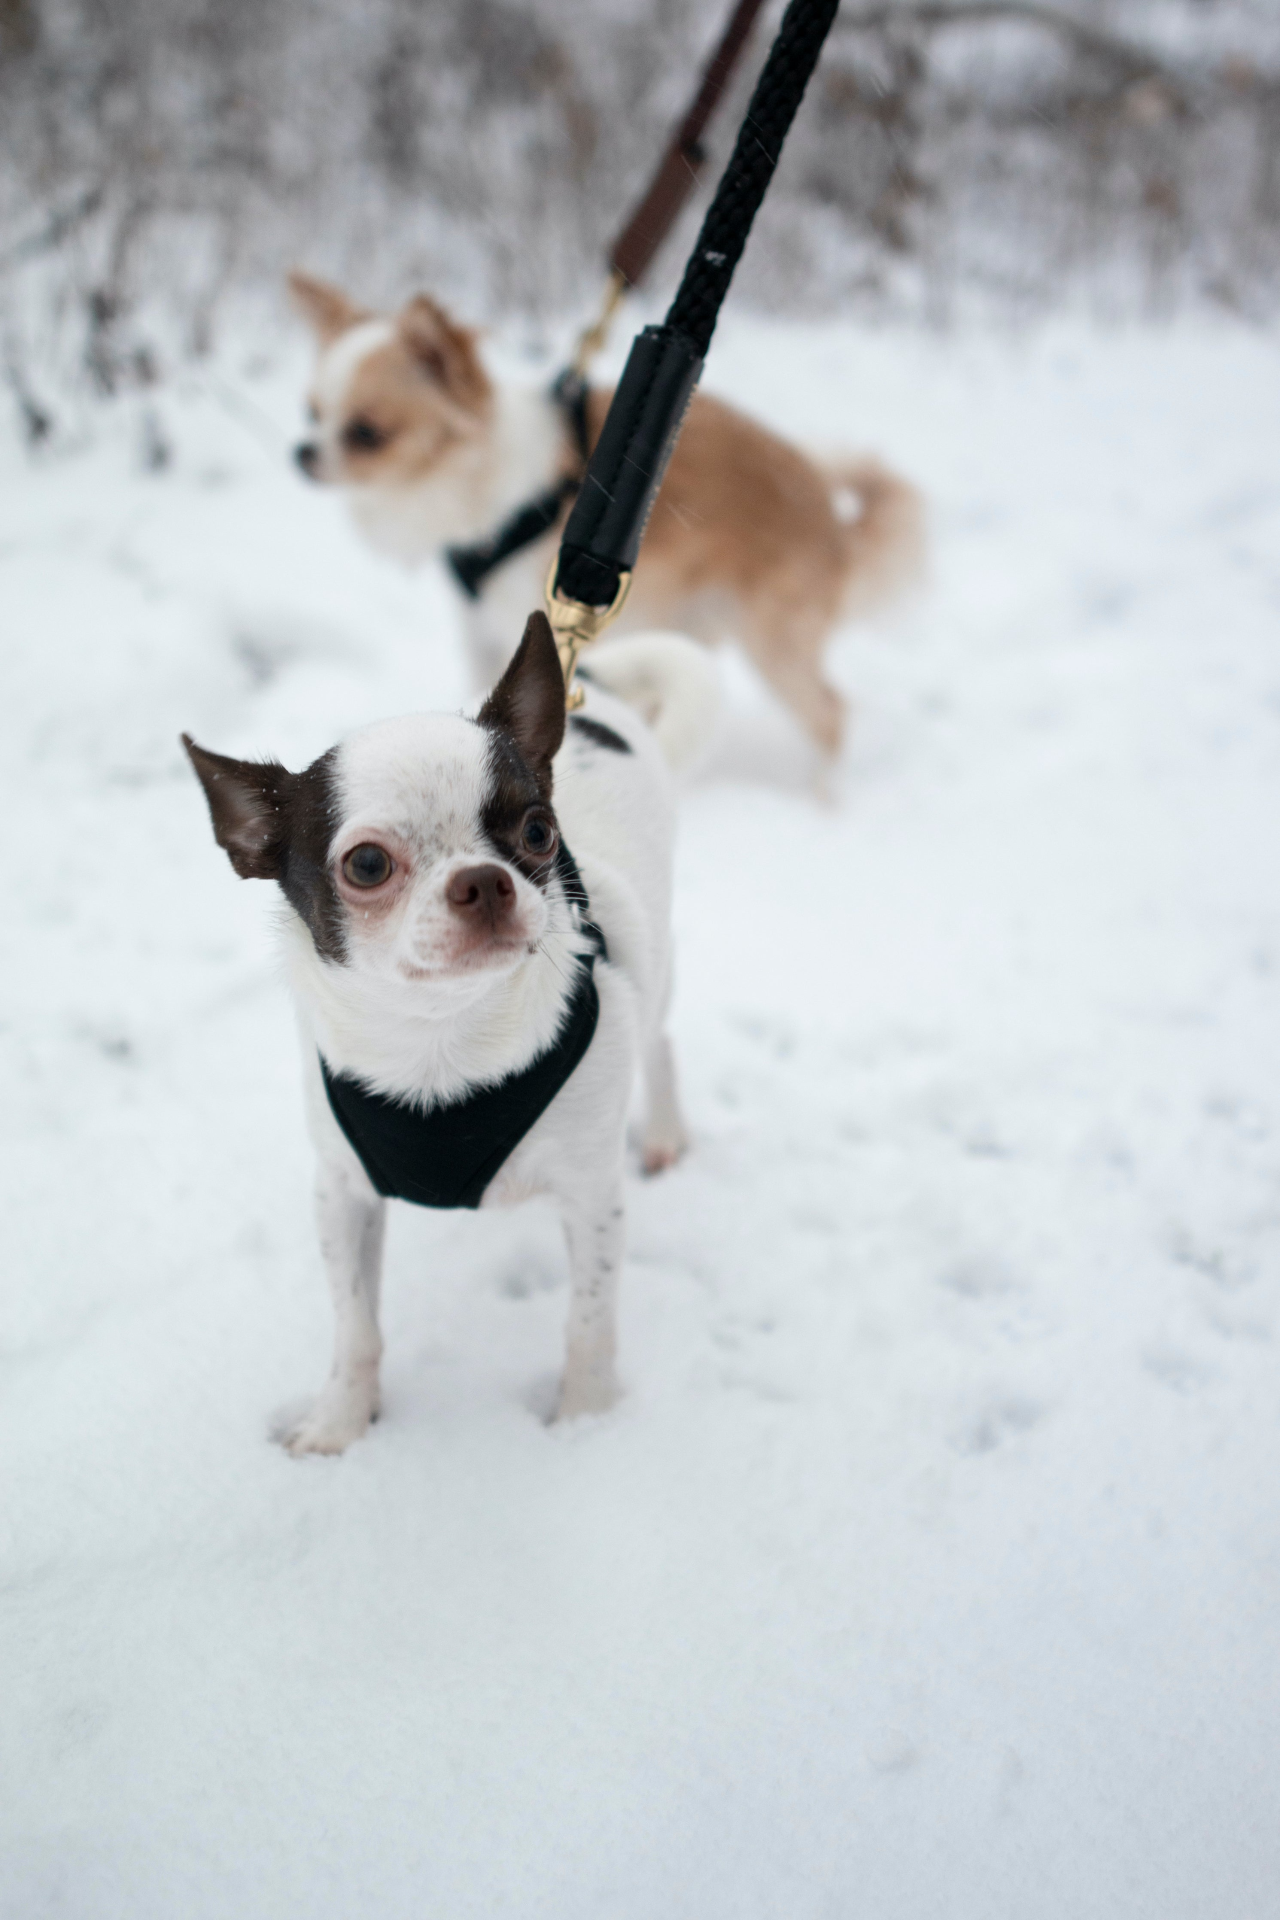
(482,893)
(308,458)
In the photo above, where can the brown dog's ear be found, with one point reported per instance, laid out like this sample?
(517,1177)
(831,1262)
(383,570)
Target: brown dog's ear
(325,308)
(528,701)
(445,351)
(247,807)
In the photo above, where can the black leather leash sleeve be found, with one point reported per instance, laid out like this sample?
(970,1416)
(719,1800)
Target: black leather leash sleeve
(608,518)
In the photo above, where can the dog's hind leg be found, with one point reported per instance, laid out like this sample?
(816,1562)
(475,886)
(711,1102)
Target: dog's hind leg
(786,640)
(595,1230)
(351,1231)
(798,682)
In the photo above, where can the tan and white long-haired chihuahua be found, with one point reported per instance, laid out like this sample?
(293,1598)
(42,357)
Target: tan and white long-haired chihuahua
(749,538)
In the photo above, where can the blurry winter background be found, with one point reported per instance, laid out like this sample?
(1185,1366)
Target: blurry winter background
(159,158)
(931,1564)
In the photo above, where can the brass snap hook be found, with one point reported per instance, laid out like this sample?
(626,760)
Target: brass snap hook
(575,625)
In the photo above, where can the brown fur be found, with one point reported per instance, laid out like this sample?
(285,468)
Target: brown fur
(746,536)
(328,308)
(277,825)
(525,717)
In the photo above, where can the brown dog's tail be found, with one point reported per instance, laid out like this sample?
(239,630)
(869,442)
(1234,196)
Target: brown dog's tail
(882,519)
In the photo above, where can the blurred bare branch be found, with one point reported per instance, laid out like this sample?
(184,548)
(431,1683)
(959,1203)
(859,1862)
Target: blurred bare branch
(159,157)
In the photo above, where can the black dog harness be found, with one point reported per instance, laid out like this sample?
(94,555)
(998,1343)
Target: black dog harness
(472,565)
(447,1156)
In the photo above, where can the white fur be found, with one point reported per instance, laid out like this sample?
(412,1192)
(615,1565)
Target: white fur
(396,1015)
(672,685)
(339,361)
(475,487)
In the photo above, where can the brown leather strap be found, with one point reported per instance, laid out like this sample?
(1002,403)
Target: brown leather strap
(678,170)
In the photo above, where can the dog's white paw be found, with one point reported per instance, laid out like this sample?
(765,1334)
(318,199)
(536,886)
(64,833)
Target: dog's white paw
(585,1393)
(658,1155)
(327,1424)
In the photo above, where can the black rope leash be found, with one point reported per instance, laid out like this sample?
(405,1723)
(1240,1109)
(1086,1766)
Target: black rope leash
(678,170)
(629,259)
(774,105)
(607,522)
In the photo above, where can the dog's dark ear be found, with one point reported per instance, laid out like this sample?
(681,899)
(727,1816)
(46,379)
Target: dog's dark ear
(325,308)
(445,351)
(528,701)
(247,807)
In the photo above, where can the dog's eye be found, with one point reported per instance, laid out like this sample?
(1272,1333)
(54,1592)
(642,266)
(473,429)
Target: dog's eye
(539,834)
(362,436)
(368,865)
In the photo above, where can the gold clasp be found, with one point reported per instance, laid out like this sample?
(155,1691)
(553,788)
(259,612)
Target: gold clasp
(575,625)
(593,337)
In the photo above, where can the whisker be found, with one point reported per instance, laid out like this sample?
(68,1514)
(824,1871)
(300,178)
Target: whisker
(547,954)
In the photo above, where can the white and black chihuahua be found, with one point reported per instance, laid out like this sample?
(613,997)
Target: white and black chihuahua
(474,999)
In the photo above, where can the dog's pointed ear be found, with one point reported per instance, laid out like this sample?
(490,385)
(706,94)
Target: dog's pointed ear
(445,351)
(528,701)
(246,804)
(326,309)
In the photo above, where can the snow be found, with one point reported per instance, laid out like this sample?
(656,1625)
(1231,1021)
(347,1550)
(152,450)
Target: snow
(931,1564)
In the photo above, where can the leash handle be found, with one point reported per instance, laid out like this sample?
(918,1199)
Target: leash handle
(605,527)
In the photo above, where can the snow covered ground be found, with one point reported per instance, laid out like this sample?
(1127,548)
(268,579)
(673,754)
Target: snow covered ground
(931,1565)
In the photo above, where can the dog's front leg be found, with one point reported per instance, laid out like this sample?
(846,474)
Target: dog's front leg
(595,1229)
(351,1229)
(664,1138)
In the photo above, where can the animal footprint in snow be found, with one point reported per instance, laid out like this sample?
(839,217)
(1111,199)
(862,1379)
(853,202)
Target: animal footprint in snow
(526,1277)
(892,1751)
(1001,1421)
(1230,1272)
(978,1279)
(1177,1370)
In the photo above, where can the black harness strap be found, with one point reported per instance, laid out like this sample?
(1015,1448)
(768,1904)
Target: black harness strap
(447,1156)
(471,565)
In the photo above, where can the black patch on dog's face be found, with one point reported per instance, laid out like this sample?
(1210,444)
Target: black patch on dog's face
(524,718)
(277,825)
(527,705)
(306,876)
(514,800)
(598,733)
